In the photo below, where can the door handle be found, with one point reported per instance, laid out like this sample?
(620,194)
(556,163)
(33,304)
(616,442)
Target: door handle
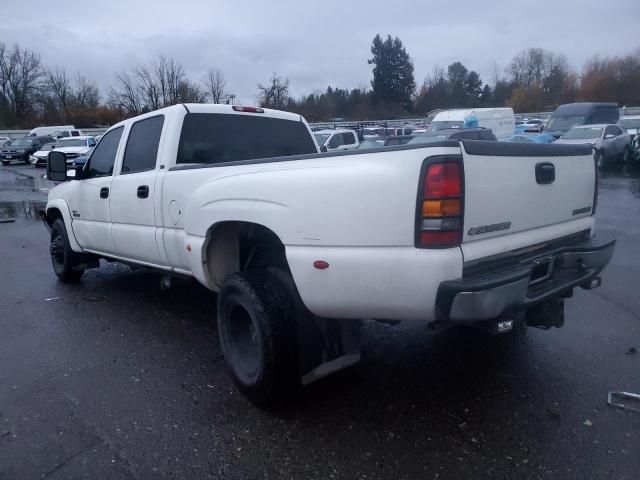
(545,173)
(143,191)
(104,192)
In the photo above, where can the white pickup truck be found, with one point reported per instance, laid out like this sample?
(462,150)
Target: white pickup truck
(300,245)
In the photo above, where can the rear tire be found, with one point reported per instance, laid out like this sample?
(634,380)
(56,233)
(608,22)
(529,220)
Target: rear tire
(62,257)
(258,336)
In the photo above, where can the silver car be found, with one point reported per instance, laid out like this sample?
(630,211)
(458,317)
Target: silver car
(610,142)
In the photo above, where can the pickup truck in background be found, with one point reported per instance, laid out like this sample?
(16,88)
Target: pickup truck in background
(300,246)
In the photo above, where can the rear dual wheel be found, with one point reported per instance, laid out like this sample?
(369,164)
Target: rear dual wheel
(258,336)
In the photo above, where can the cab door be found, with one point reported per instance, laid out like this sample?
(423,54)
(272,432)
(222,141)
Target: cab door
(89,200)
(134,194)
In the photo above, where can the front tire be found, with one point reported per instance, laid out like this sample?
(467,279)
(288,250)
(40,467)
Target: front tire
(62,257)
(258,336)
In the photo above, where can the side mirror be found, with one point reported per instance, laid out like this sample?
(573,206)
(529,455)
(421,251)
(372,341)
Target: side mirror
(57,166)
(323,149)
(608,136)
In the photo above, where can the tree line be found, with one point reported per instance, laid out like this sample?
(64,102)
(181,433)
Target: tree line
(32,93)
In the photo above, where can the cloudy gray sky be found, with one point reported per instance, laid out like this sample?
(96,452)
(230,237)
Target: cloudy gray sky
(314,43)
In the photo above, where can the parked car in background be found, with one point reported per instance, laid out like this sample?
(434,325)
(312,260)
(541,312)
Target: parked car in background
(67,133)
(454,134)
(40,131)
(570,115)
(398,140)
(526,137)
(402,131)
(371,142)
(76,146)
(335,140)
(80,160)
(533,126)
(609,142)
(20,149)
(500,120)
(39,158)
(631,123)
(372,132)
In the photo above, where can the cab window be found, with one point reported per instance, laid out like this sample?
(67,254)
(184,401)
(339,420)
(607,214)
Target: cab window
(100,164)
(142,145)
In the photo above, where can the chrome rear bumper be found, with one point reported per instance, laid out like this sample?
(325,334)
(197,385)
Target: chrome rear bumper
(552,275)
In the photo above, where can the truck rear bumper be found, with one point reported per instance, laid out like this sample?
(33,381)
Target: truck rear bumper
(552,275)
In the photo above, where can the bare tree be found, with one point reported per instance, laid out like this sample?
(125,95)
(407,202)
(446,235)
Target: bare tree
(86,94)
(59,87)
(21,77)
(149,88)
(215,82)
(189,92)
(155,85)
(125,94)
(275,94)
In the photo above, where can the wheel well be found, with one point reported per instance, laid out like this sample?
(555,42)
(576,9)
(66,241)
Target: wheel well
(238,246)
(53,214)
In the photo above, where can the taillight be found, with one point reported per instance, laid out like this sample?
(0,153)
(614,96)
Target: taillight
(439,218)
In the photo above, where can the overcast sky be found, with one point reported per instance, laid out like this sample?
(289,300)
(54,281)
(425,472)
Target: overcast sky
(316,43)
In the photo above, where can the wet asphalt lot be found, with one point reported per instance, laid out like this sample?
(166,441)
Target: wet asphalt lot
(116,378)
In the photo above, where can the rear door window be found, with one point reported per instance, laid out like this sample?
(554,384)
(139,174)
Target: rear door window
(142,145)
(348,138)
(219,138)
(336,141)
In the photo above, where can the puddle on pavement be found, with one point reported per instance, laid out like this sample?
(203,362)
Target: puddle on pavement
(27,209)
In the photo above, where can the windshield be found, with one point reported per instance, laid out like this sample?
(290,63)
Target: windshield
(321,138)
(583,133)
(441,125)
(72,142)
(21,142)
(565,122)
(630,123)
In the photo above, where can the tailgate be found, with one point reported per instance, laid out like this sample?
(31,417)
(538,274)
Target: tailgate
(544,190)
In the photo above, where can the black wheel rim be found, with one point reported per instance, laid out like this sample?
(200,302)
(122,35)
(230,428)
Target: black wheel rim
(243,341)
(56,248)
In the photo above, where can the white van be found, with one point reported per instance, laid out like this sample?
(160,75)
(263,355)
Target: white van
(55,131)
(500,120)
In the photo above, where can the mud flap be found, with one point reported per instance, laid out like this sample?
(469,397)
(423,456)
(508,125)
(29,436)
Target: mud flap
(547,314)
(326,346)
